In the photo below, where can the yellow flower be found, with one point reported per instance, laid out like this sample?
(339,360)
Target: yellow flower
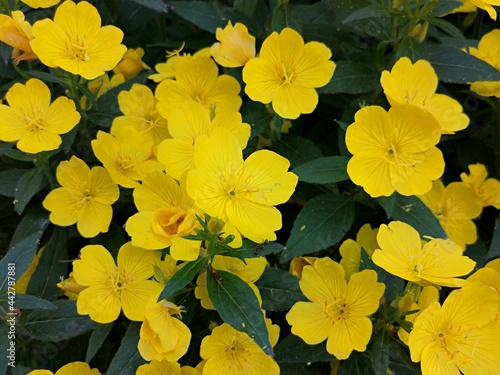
(111,288)
(249,272)
(23,281)
(394,151)
(297,265)
(230,352)
(416,84)
(165,367)
(460,335)
(197,80)
(35,4)
(139,107)
(166,70)
(488,6)
(17,33)
(70,287)
(76,42)
(165,269)
(73,368)
(367,238)
(185,125)
(437,262)
(236,46)
(455,207)
(488,50)
(287,72)
(127,154)
(32,121)
(85,198)
(490,276)
(338,310)
(486,189)
(350,251)
(241,193)
(166,214)
(161,335)
(131,64)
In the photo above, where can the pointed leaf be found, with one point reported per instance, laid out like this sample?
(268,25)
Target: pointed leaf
(127,358)
(279,289)
(183,277)
(325,170)
(97,337)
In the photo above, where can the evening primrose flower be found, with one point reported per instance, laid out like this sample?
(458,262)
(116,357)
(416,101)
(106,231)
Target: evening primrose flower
(76,42)
(455,207)
(488,6)
(486,189)
(127,154)
(131,63)
(70,287)
(488,50)
(235,47)
(416,84)
(85,198)
(297,265)
(166,214)
(165,367)
(338,311)
(17,33)
(139,108)
(163,336)
(437,262)
(228,351)
(394,151)
(241,193)
(35,4)
(80,368)
(185,125)
(286,73)
(367,238)
(166,70)
(459,335)
(110,287)
(489,275)
(197,80)
(32,121)
(350,251)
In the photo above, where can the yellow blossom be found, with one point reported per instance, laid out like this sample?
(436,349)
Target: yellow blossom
(131,64)
(35,4)
(235,47)
(455,207)
(394,151)
(166,214)
(70,287)
(367,238)
(230,352)
(286,73)
(489,275)
(185,125)
(350,251)
(165,367)
(197,80)
(338,311)
(166,70)
(85,198)
(416,84)
(76,42)
(110,287)
(488,189)
(488,50)
(241,193)
(32,121)
(161,335)
(459,335)
(297,265)
(17,33)
(488,6)
(73,368)
(437,262)
(139,108)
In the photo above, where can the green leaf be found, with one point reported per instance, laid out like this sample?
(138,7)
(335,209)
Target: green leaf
(238,306)
(246,6)
(9,180)
(28,185)
(412,49)
(414,212)
(183,277)
(356,364)
(58,325)
(494,251)
(279,289)
(344,8)
(29,302)
(455,66)
(18,258)
(157,5)
(286,15)
(294,350)
(324,170)
(43,282)
(18,155)
(258,121)
(97,337)
(47,77)
(449,29)
(443,7)
(371,11)
(351,78)
(251,249)
(6,346)
(36,220)
(380,352)
(127,358)
(322,222)
(297,149)
(201,13)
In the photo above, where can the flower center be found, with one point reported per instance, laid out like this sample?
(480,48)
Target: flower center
(453,343)
(77,49)
(238,357)
(336,310)
(286,75)
(33,120)
(172,221)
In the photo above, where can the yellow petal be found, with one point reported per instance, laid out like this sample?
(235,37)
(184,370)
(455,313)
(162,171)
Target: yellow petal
(290,100)
(94,218)
(100,303)
(309,322)
(347,335)
(323,281)
(95,266)
(364,293)
(314,68)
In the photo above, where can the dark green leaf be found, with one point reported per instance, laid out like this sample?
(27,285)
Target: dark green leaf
(344,8)
(35,220)
(238,306)
(443,7)
(58,325)
(449,29)
(183,277)
(351,78)
(494,251)
(322,222)
(297,150)
(127,358)
(28,302)
(246,6)
(28,185)
(157,5)
(15,154)
(258,121)
(380,352)
(388,204)
(356,364)
(251,249)
(201,13)
(412,49)
(477,252)
(9,180)
(279,289)
(97,337)
(324,170)
(294,350)
(47,77)
(286,15)
(7,345)
(371,11)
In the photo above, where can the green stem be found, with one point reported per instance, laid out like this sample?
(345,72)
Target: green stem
(478,23)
